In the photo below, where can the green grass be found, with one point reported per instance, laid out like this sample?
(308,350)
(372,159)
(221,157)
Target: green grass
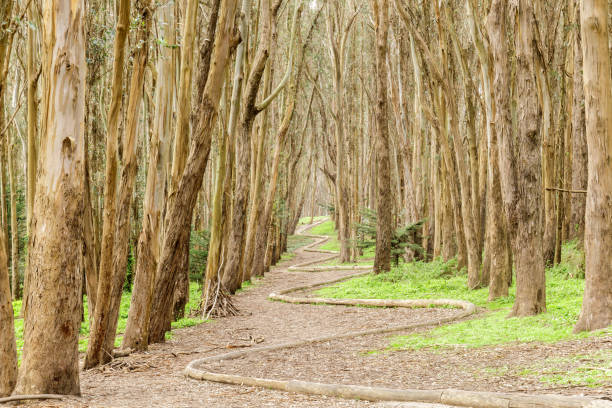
(328,229)
(306,220)
(591,370)
(438,279)
(195,293)
(297,241)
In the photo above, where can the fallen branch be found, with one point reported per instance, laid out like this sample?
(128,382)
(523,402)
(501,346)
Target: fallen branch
(563,190)
(13,398)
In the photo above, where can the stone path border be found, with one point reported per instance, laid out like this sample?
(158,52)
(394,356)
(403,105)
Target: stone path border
(475,399)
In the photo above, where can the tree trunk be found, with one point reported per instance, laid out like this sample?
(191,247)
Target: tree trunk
(498,251)
(596,310)
(8,348)
(233,272)
(178,214)
(128,176)
(384,224)
(149,242)
(32,83)
(52,318)
(181,143)
(6,46)
(521,172)
(105,272)
(15,293)
(580,157)
(256,243)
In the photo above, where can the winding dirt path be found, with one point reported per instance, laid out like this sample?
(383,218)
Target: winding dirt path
(156,378)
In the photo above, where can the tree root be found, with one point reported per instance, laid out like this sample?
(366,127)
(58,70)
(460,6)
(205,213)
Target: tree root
(13,398)
(218,302)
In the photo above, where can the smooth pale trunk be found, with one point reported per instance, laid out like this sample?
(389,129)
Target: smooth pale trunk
(596,310)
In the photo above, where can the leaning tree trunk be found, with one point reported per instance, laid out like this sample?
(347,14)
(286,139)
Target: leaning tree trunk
(50,363)
(596,310)
(178,215)
(263,225)
(8,348)
(232,270)
(384,224)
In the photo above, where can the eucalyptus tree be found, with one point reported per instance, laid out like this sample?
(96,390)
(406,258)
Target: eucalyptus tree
(596,310)
(52,319)
(521,163)
(179,213)
(384,225)
(110,187)
(150,239)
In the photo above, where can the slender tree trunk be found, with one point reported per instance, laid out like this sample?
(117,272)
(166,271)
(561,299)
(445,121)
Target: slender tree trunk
(498,123)
(233,269)
(8,348)
(6,46)
(256,243)
(50,363)
(32,114)
(181,142)
(128,176)
(90,262)
(178,214)
(337,36)
(15,292)
(384,224)
(149,242)
(548,167)
(105,273)
(596,310)
(216,260)
(265,218)
(579,142)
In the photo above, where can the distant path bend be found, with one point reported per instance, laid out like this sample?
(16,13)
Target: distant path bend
(195,369)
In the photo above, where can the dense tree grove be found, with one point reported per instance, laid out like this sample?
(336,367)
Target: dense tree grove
(131,129)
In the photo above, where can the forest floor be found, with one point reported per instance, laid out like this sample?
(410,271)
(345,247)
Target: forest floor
(155,378)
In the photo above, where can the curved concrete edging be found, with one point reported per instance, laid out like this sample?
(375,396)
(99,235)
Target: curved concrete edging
(453,397)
